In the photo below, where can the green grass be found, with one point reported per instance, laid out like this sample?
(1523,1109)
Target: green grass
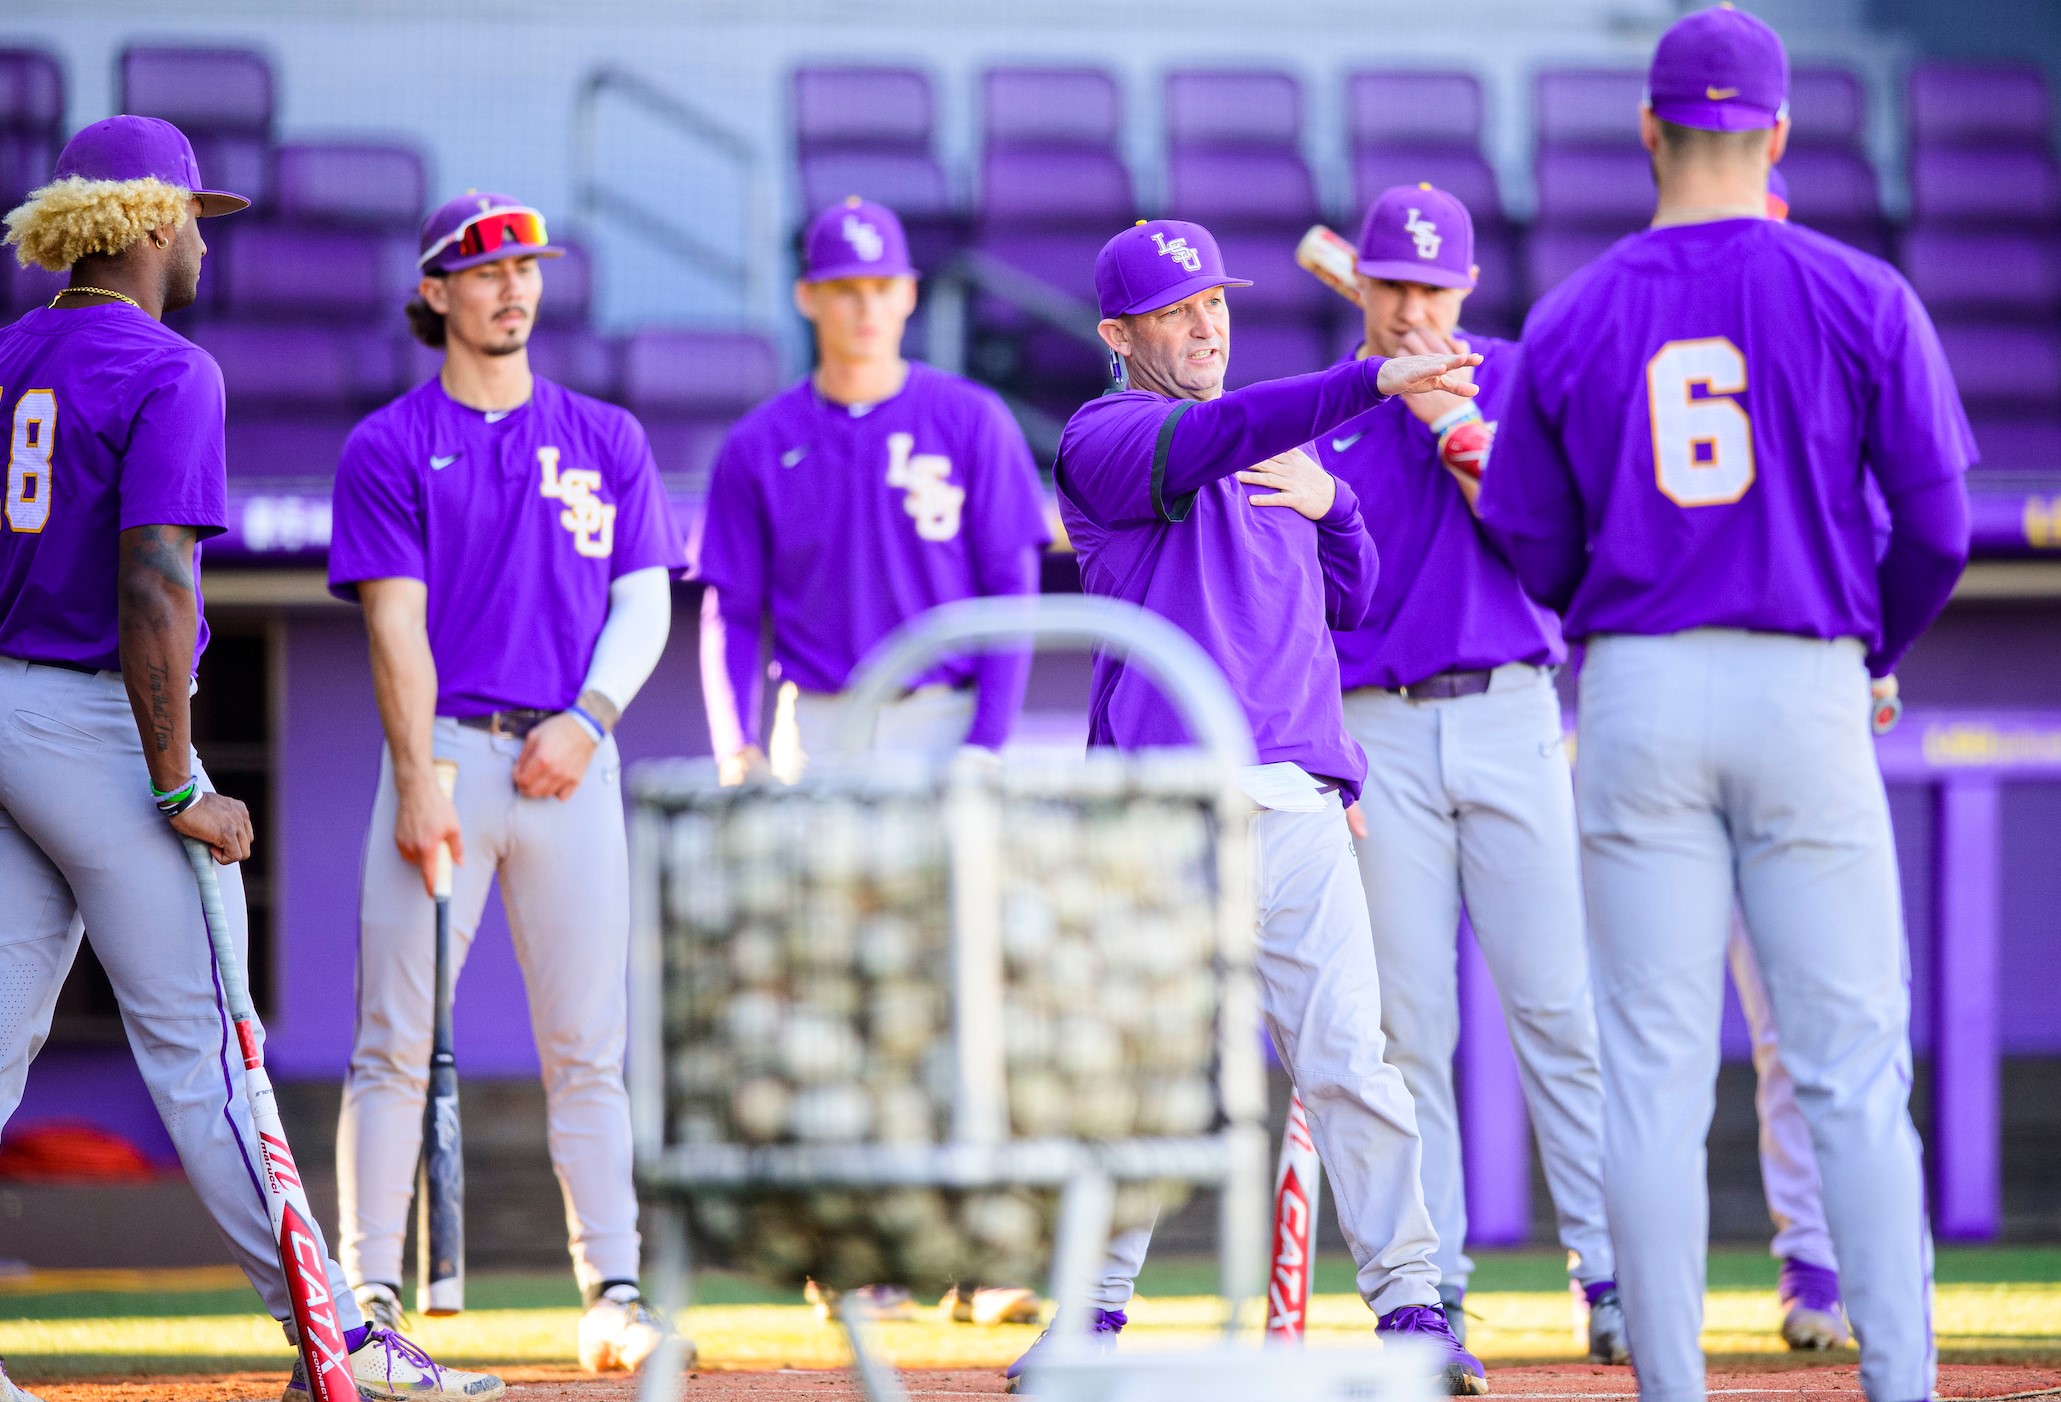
(1993,1305)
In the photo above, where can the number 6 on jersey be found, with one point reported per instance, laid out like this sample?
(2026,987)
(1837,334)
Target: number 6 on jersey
(1702,445)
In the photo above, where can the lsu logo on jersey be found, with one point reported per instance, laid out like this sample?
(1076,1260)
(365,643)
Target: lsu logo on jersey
(931,501)
(1180,252)
(590,519)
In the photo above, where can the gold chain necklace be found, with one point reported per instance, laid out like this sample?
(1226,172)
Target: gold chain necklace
(99,292)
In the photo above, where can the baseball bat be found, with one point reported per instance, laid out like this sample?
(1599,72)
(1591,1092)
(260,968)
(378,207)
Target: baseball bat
(1329,259)
(1294,1259)
(302,1257)
(440,1184)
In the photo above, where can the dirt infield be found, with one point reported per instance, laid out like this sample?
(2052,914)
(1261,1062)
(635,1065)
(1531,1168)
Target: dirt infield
(1780,1381)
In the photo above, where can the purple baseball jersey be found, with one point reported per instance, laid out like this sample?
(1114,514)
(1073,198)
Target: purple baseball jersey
(517,521)
(1694,424)
(844,522)
(1159,520)
(113,421)
(1445,599)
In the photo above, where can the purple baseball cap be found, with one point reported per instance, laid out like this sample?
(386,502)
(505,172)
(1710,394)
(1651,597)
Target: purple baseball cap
(856,238)
(482,227)
(140,148)
(1719,70)
(1156,263)
(1418,233)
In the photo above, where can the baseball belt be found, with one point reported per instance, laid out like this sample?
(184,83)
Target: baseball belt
(513,725)
(1445,686)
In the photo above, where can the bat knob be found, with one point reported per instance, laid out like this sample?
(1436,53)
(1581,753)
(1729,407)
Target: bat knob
(1887,712)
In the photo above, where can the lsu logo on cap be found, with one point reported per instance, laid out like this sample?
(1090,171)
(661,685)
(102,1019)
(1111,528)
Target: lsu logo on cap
(1180,252)
(1425,233)
(863,237)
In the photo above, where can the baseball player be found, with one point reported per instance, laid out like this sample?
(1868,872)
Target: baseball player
(1449,690)
(511,545)
(1808,1288)
(871,490)
(115,474)
(1202,506)
(1681,472)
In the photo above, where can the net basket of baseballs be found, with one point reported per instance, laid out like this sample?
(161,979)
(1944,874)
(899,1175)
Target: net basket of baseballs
(887,1015)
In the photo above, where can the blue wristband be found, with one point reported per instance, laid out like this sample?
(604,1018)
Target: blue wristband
(593,727)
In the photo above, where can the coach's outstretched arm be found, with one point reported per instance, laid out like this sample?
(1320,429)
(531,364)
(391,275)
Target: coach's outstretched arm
(1245,426)
(159,616)
(404,680)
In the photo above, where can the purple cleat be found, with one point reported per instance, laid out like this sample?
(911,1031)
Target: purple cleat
(1464,1375)
(1102,1333)
(1812,1315)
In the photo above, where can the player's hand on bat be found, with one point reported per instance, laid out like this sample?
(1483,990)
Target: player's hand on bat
(747,766)
(554,759)
(1434,404)
(222,823)
(425,821)
(1416,374)
(1356,823)
(1296,481)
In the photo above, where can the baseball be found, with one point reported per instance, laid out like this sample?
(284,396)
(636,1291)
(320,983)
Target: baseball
(833,1113)
(760,1108)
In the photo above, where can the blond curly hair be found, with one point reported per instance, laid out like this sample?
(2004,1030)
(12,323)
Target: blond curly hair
(76,218)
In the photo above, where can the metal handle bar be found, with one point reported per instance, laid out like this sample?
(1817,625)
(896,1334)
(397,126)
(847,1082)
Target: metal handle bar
(1172,660)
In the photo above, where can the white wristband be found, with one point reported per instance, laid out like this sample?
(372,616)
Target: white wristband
(1454,418)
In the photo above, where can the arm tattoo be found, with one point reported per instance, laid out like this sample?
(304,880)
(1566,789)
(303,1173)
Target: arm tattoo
(166,551)
(160,705)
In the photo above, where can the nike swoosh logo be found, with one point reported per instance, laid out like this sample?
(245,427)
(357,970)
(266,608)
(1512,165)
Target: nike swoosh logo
(1339,445)
(437,464)
(1720,94)
(793,456)
(495,416)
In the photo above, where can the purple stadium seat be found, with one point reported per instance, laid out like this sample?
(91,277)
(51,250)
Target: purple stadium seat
(1409,107)
(1830,186)
(1055,186)
(874,107)
(1075,107)
(1233,107)
(1231,185)
(31,121)
(1550,254)
(1279,286)
(1495,296)
(568,287)
(1588,107)
(1600,186)
(1984,186)
(295,392)
(292,272)
(687,387)
(1962,273)
(911,183)
(1063,257)
(201,90)
(1268,350)
(1966,104)
(575,358)
(1827,107)
(350,183)
(2005,368)
(1464,174)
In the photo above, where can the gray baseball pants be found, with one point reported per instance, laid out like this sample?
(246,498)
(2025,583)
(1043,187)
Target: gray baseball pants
(1718,760)
(565,883)
(1469,800)
(1321,997)
(930,721)
(83,850)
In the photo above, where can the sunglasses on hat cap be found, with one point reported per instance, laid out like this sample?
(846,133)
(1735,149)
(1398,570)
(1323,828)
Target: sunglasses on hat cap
(489,232)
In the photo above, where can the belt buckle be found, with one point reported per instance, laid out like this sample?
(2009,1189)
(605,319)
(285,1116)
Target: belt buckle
(497,725)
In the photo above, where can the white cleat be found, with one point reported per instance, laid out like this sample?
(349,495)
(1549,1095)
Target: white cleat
(620,1331)
(1807,1329)
(12,1391)
(391,1368)
(380,1306)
